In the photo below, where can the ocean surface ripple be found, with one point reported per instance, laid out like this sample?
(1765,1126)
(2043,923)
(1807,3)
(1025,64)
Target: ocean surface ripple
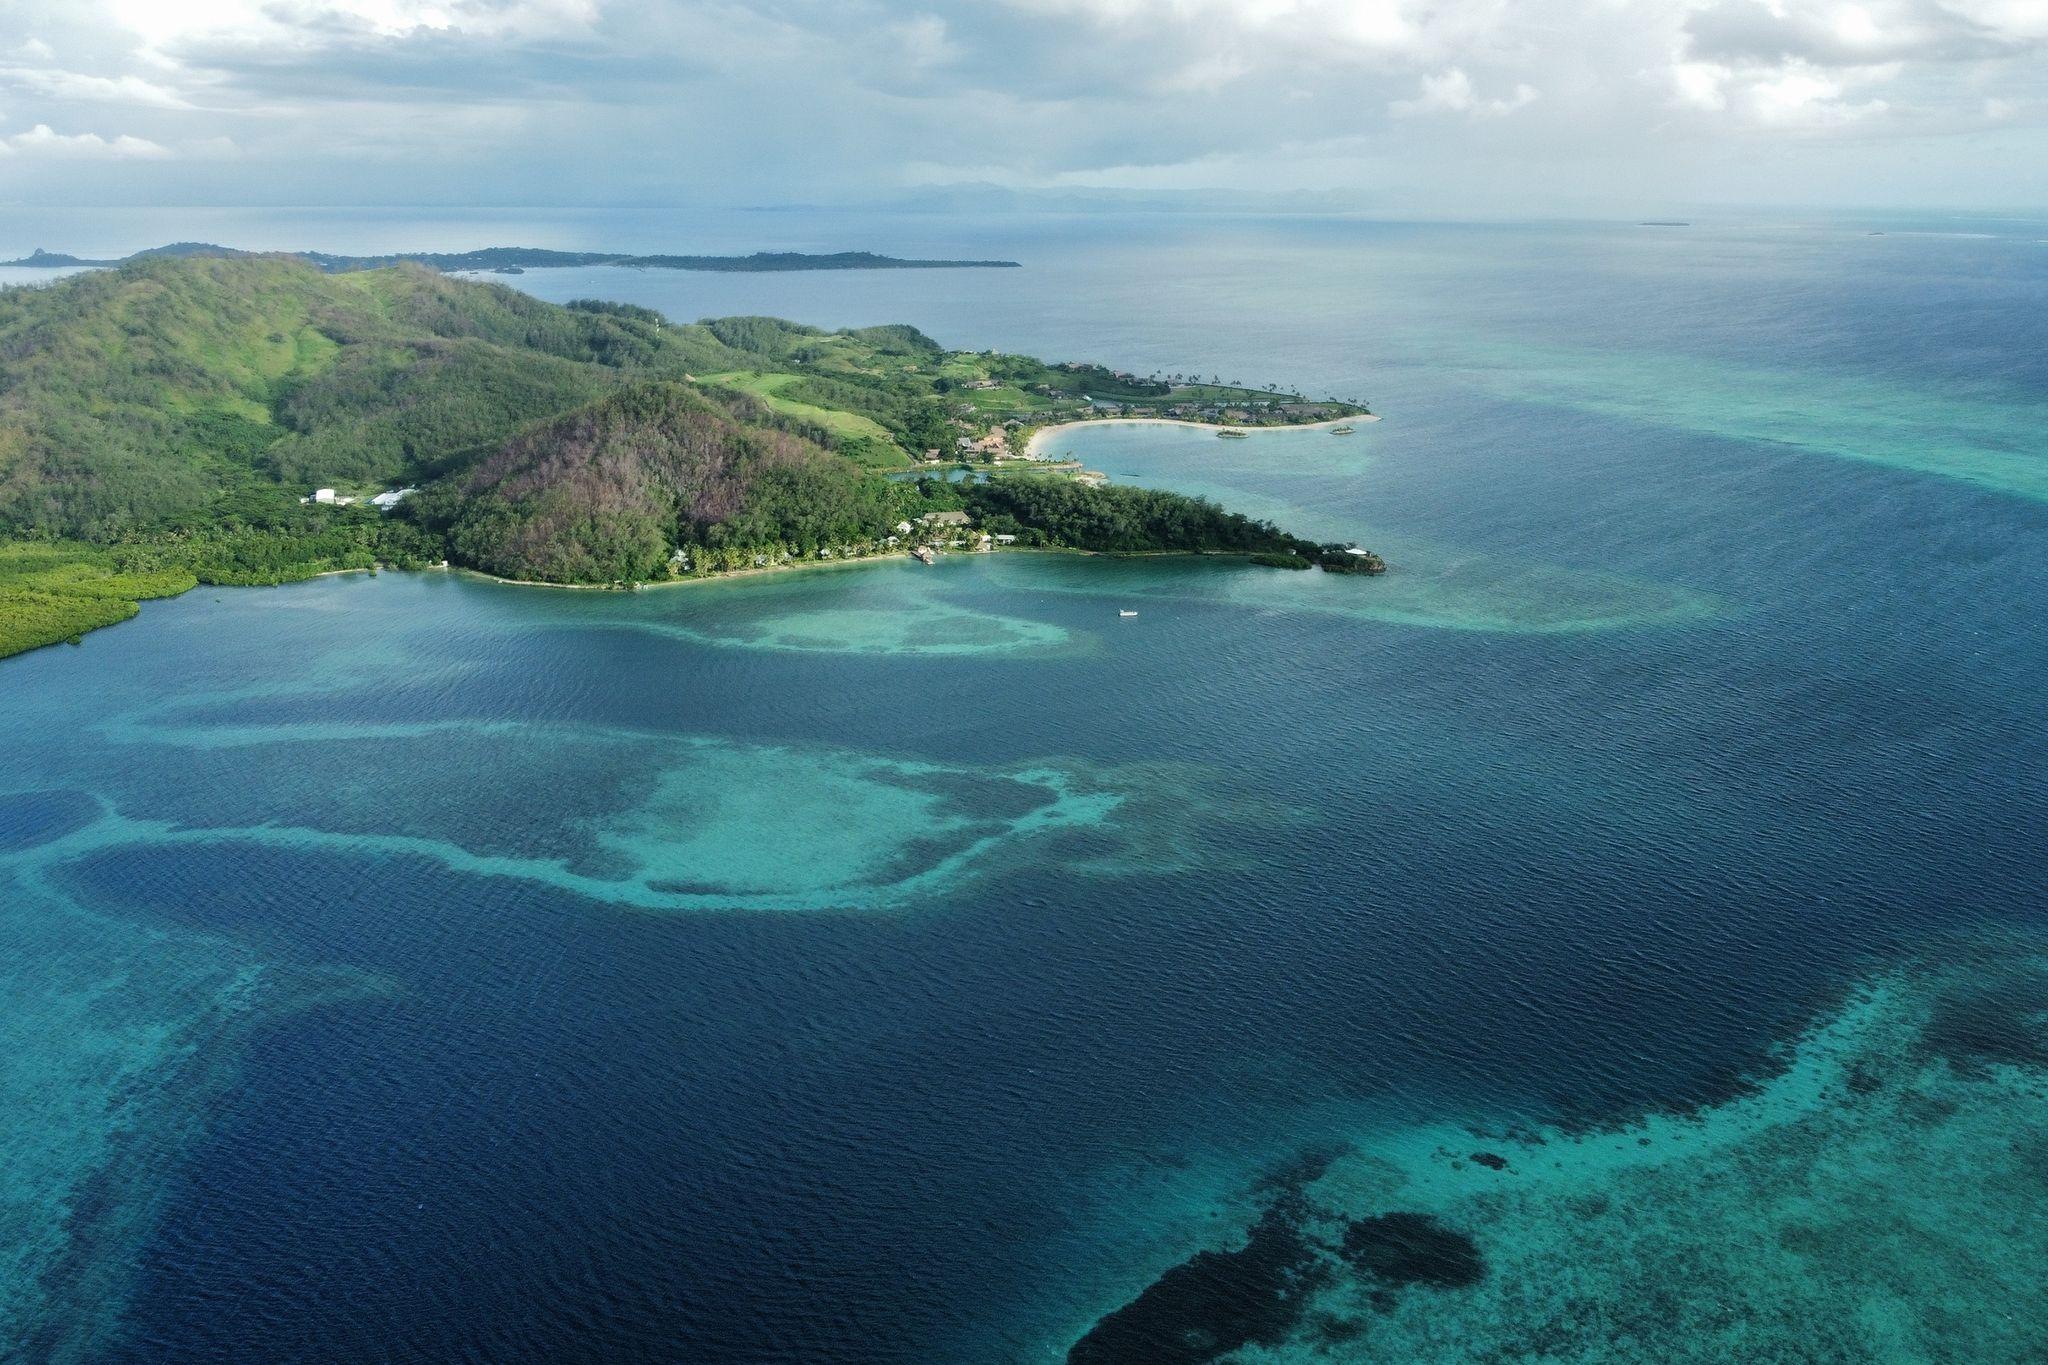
(1616,934)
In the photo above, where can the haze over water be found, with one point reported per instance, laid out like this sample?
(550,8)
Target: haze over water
(907,964)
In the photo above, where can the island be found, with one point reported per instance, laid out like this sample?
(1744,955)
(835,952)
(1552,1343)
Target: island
(517,260)
(246,420)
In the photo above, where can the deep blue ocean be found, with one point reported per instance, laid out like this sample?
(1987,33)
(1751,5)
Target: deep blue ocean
(901,964)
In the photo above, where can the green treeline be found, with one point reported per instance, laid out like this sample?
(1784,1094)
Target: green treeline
(1118,519)
(55,592)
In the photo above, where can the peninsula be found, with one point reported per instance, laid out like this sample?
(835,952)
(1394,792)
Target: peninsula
(257,419)
(518,259)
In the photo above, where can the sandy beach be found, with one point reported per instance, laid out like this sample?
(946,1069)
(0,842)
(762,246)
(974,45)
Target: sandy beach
(723,575)
(1031,447)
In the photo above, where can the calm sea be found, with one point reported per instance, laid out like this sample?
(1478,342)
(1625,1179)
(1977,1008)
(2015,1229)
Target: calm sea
(901,964)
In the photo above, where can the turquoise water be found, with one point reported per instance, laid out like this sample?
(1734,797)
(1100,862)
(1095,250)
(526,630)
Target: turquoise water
(889,963)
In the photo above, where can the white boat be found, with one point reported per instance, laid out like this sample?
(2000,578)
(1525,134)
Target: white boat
(1127,613)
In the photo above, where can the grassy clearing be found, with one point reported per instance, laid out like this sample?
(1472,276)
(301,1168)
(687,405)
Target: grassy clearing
(768,388)
(1007,401)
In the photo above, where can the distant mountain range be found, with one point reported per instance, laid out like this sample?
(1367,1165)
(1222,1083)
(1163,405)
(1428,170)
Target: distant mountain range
(513,259)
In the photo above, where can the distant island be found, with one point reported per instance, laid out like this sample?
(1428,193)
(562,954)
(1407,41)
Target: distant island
(256,419)
(512,260)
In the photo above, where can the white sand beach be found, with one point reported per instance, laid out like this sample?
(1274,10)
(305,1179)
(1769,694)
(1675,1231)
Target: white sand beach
(1047,433)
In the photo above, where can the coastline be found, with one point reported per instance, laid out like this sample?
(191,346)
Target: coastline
(801,566)
(1032,447)
(804,566)
(136,606)
(723,575)
(1042,433)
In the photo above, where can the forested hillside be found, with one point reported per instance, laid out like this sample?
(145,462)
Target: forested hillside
(608,492)
(135,398)
(169,420)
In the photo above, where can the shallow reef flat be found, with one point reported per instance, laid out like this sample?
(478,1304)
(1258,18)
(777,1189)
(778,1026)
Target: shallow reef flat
(1439,589)
(711,829)
(1429,587)
(1883,1196)
(115,1046)
(886,606)
(920,628)
(1989,438)
(1294,478)
(101,1035)
(637,819)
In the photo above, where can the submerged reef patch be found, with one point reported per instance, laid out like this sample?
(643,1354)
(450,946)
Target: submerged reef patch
(1401,1249)
(1213,1303)
(1429,586)
(658,821)
(2002,1021)
(1977,434)
(1881,1196)
(117,1044)
(898,624)
(1218,1302)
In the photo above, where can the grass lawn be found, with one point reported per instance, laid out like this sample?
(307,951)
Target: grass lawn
(768,388)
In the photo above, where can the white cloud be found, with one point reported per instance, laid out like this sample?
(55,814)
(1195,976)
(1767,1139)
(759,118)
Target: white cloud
(2015,21)
(1336,29)
(1450,92)
(775,100)
(44,141)
(1799,95)
(1201,74)
(72,85)
(922,41)
(209,149)
(167,24)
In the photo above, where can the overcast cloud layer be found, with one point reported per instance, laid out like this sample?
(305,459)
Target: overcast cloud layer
(1407,105)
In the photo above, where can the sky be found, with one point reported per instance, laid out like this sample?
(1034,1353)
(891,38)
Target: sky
(1477,107)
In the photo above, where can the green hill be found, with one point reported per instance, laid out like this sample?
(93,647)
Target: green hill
(138,397)
(607,493)
(165,422)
